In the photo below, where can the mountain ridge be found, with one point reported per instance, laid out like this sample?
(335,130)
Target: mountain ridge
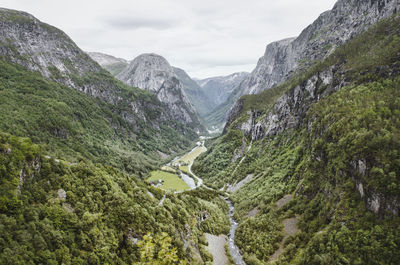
(153,73)
(46,51)
(223,84)
(282,59)
(197,97)
(112,64)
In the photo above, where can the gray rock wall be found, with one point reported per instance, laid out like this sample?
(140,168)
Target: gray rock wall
(333,28)
(153,73)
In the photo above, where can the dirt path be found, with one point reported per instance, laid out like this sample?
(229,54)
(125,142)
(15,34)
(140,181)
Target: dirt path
(216,246)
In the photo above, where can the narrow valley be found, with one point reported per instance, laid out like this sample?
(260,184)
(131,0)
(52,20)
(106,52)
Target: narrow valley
(155,137)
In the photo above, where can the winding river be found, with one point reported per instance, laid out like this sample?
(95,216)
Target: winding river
(233,249)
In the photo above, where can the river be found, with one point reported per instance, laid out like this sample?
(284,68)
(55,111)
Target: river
(233,249)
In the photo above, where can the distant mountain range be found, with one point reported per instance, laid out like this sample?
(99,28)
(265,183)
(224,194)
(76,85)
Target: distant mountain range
(110,63)
(152,72)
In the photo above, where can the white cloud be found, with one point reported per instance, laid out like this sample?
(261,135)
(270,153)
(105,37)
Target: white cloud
(205,38)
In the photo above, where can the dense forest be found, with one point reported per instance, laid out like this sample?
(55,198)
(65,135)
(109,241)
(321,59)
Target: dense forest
(56,212)
(72,124)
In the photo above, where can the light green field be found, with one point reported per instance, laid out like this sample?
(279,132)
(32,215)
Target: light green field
(172,182)
(169,169)
(188,158)
(184,169)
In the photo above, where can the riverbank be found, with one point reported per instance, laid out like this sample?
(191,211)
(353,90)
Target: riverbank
(233,249)
(174,178)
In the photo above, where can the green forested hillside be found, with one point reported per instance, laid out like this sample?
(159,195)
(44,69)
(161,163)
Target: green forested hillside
(341,166)
(53,212)
(72,124)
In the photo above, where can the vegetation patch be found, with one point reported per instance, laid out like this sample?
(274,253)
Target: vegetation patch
(171,182)
(190,157)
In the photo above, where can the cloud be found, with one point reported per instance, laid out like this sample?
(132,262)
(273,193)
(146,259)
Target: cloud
(204,38)
(132,23)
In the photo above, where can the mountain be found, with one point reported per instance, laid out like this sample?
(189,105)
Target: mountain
(76,107)
(197,97)
(110,63)
(153,73)
(205,95)
(311,164)
(219,88)
(219,92)
(332,28)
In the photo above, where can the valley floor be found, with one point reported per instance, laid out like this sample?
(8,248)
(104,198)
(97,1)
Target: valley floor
(172,175)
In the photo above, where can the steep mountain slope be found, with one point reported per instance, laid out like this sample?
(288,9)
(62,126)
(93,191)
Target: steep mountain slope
(110,63)
(220,91)
(40,47)
(197,97)
(153,73)
(219,88)
(328,140)
(333,28)
(109,122)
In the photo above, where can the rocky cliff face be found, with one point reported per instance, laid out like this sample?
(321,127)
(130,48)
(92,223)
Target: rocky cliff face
(153,73)
(105,59)
(290,109)
(219,88)
(37,46)
(110,63)
(41,47)
(333,28)
(197,97)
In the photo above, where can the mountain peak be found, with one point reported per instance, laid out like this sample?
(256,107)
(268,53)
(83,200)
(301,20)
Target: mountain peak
(105,59)
(153,73)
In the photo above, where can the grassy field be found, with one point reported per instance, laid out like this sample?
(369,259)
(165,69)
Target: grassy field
(169,169)
(172,182)
(188,158)
(184,169)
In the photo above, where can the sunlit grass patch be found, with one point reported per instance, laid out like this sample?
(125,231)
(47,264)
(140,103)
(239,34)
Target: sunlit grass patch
(188,158)
(168,168)
(184,169)
(171,182)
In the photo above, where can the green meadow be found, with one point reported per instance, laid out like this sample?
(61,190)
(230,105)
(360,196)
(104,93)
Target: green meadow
(172,181)
(190,157)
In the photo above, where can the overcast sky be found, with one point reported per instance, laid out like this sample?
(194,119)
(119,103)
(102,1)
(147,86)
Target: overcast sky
(204,37)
